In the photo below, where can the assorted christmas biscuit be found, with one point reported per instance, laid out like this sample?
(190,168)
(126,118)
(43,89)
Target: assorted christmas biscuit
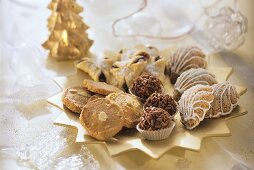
(191,78)
(225,100)
(127,90)
(130,105)
(75,98)
(100,87)
(101,118)
(194,104)
(184,59)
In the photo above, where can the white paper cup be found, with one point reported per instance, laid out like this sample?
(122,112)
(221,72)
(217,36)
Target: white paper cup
(157,134)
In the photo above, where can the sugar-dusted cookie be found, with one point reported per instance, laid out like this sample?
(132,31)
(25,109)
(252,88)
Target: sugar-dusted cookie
(75,98)
(184,59)
(100,87)
(135,68)
(225,100)
(157,67)
(89,66)
(130,105)
(101,118)
(194,104)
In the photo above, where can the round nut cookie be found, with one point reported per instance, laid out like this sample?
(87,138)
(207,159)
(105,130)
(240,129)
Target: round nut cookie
(74,98)
(100,87)
(130,105)
(101,119)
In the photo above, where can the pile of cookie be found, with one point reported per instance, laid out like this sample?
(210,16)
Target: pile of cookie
(197,91)
(121,68)
(133,94)
(104,109)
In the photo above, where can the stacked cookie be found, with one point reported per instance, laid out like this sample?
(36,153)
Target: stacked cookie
(200,95)
(104,109)
(120,69)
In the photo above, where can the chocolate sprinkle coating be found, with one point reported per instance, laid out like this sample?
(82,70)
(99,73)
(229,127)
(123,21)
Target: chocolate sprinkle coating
(145,85)
(154,119)
(165,102)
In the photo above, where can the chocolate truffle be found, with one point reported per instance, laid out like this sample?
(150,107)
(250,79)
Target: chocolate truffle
(145,85)
(154,119)
(184,59)
(165,102)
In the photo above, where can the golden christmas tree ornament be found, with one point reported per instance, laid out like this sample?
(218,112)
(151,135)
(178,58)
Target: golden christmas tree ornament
(68,38)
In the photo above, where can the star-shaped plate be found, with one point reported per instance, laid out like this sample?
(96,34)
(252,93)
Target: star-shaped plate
(130,139)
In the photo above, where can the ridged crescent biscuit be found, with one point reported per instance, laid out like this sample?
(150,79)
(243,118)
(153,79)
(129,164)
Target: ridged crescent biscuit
(184,59)
(191,78)
(194,104)
(225,100)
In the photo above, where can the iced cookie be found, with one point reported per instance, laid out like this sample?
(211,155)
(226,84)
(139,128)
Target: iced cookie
(225,100)
(75,98)
(184,59)
(194,104)
(191,78)
(100,87)
(130,105)
(101,119)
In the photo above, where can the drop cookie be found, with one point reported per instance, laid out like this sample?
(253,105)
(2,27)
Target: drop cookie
(74,98)
(100,87)
(101,119)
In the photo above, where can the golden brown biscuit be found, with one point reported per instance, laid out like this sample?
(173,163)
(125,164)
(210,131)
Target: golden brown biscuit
(100,87)
(101,119)
(94,97)
(130,105)
(75,98)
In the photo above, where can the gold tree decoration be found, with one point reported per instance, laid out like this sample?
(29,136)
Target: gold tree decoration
(68,38)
